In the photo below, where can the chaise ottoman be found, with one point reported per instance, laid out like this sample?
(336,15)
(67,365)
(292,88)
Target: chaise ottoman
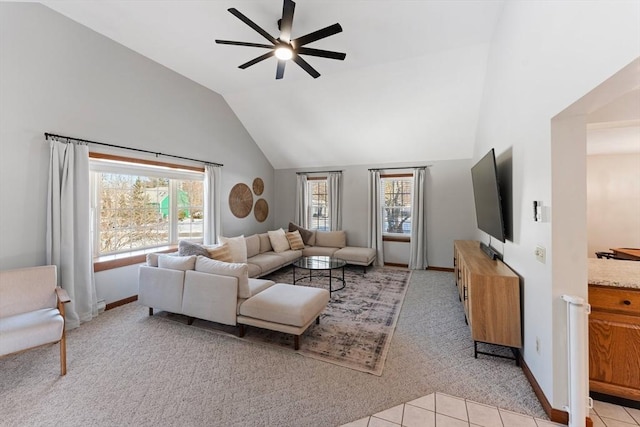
(284,308)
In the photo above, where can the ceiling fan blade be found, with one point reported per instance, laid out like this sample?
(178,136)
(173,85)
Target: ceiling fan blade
(280,69)
(287,20)
(317,35)
(244,44)
(305,66)
(322,53)
(235,12)
(256,60)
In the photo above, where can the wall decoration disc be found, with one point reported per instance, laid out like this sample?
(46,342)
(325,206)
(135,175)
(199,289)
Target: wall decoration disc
(258,186)
(261,210)
(240,200)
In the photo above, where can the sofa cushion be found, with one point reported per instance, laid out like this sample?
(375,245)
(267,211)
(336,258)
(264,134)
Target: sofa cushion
(237,247)
(265,243)
(259,285)
(334,239)
(279,240)
(306,235)
(289,256)
(186,248)
(254,269)
(253,245)
(356,255)
(31,329)
(238,270)
(172,262)
(286,304)
(295,240)
(318,251)
(220,253)
(268,261)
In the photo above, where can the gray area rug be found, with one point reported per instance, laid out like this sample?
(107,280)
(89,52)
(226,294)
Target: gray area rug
(128,369)
(355,329)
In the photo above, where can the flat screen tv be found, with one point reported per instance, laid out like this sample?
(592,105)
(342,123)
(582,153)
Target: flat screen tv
(486,193)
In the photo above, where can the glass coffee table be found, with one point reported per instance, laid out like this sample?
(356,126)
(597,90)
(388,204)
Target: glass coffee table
(320,263)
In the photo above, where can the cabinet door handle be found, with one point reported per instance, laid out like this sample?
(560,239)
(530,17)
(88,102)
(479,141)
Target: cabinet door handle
(626,302)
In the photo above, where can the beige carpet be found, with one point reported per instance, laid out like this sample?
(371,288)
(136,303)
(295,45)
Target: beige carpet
(127,369)
(355,329)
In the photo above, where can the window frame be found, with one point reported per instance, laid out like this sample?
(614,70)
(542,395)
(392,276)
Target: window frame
(310,182)
(143,167)
(388,236)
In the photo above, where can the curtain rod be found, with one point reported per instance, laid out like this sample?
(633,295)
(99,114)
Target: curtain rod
(401,167)
(69,138)
(304,173)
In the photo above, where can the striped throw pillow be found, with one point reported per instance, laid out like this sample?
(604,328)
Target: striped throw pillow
(295,240)
(220,253)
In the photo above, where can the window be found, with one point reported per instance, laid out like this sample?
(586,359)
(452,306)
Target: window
(137,207)
(319,213)
(396,204)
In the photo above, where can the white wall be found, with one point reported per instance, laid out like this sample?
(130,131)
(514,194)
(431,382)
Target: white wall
(450,211)
(613,202)
(545,56)
(60,77)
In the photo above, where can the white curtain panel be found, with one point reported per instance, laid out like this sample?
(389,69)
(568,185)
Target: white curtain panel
(418,248)
(335,200)
(212,180)
(302,202)
(374,217)
(68,237)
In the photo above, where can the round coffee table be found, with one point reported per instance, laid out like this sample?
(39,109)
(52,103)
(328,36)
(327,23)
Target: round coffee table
(320,263)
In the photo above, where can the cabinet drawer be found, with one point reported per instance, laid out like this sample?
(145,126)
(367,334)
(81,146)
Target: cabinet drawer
(619,300)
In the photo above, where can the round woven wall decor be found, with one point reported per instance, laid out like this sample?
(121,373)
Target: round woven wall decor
(261,210)
(240,200)
(258,186)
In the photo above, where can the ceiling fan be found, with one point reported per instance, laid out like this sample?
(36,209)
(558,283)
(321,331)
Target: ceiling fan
(283,48)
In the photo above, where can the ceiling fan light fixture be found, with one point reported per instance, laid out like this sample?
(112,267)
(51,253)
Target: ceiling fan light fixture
(284,53)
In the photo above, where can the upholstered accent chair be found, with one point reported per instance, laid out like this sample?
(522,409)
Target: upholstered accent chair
(32,311)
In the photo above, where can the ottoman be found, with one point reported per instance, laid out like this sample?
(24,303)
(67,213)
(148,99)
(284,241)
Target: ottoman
(284,308)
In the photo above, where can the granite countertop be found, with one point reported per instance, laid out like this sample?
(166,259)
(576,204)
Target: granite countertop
(611,272)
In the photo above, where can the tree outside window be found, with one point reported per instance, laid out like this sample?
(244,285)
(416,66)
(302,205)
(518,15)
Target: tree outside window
(396,210)
(134,212)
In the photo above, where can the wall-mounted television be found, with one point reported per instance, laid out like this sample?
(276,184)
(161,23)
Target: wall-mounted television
(486,193)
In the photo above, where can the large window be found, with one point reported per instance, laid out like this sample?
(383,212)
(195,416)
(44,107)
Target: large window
(396,204)
(137,207)
(319,213)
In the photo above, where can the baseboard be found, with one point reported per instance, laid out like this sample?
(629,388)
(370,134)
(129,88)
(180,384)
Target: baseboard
(447,269)
(555,415)
(394,264)
(121,302)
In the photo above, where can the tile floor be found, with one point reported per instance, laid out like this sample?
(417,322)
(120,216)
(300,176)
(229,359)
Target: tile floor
(442,410)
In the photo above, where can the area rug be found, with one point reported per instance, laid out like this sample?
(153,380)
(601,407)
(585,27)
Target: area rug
(355,329)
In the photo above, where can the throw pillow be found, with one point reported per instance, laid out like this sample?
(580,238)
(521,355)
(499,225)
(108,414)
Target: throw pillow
(152,260)
(237,247)
(278,240)
(188,248)
(295,240)
(173,262)
(220,253)
(239,270)
(304,233)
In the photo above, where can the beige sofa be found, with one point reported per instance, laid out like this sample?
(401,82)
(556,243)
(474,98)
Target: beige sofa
(222,292)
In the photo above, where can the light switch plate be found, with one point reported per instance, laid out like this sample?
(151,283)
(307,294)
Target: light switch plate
(541,254)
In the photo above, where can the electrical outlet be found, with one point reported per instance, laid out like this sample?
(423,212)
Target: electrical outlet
(540,254)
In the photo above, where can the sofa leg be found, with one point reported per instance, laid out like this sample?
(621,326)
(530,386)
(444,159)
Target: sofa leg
(240,330)
(190,321)
(318,320)
(63,354)
(150,311)
(296,342)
